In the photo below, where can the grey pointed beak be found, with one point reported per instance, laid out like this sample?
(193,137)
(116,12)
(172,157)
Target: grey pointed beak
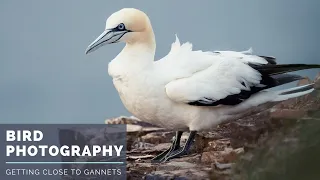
(107,37)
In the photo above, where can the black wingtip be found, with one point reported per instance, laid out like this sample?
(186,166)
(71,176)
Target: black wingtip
(285,78)
(271,60)
(274,69)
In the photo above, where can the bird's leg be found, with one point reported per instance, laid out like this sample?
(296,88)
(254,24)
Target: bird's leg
(174,146)
(184,150)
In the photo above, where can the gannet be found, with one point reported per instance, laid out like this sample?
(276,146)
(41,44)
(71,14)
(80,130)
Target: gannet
(189,90)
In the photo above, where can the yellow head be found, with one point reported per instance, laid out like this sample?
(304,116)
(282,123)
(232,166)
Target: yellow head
(127,25)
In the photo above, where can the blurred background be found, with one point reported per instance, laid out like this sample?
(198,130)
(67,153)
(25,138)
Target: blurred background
(45,77)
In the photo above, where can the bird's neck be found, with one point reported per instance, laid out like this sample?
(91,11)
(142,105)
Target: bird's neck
(140,53)
(143,44)
(140,50)
(134,58)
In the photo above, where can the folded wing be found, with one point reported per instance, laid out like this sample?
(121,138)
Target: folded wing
(223,77)
(220,83)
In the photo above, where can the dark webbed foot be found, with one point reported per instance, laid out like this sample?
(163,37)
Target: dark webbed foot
(183,150)
(175,146)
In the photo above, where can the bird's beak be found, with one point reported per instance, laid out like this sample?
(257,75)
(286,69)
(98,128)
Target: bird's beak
(107,37)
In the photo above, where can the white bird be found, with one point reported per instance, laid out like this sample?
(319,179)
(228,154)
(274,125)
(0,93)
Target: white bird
(187,89)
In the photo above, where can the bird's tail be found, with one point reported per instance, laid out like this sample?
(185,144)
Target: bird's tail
(294,92)
(266,99)
(274,75)
(277,73)
(274,69)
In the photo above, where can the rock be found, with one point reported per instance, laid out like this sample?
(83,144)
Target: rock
(247,156)
(160,147)
(138,170)
(288,113)
(122,120)
(317,81)
(139,157)
(157,137)
(218,145)
(239,151)
(128,120)
(179,170)
(229,155)
(133,128)
(138,145)
(304,81)
(192,158)
(223,166)
(169,170)
(211,157)
(183,174)
(174,165)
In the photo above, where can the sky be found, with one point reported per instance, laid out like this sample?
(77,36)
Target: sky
(45,76)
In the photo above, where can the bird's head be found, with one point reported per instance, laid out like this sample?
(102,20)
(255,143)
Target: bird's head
(127,25)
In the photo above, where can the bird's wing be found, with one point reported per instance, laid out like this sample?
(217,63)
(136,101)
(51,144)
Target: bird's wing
(183,55)
(222,79)
(247,56)
(214,78)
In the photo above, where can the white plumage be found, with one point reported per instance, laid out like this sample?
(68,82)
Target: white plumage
(202,75)
(187,89)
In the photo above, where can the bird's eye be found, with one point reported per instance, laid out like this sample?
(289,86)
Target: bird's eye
(121,27)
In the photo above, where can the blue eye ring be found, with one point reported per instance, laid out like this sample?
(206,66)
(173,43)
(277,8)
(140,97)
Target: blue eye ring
(121,27)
